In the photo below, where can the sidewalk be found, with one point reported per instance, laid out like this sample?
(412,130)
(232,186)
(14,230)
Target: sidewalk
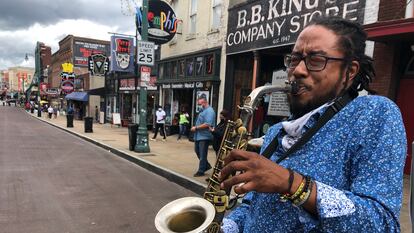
(174,160)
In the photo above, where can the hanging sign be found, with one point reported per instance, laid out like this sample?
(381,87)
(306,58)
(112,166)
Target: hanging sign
(122,54)
(98,64)
(68,77)
(162,22)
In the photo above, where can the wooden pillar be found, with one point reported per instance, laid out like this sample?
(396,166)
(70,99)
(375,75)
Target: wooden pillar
(256,73)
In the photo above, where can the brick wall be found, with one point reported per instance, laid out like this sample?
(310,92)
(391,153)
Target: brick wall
(391,9)
(386,61)
(387,55)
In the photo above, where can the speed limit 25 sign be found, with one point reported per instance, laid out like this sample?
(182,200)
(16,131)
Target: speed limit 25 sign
(146,53)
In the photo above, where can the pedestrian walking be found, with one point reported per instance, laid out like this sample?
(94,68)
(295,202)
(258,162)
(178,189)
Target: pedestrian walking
(183,123)
(50,111)
(202,134)
(55,112)
(160,123)
(96,114)
(70,110)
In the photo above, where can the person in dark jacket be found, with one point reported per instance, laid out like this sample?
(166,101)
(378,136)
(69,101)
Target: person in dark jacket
(219,130)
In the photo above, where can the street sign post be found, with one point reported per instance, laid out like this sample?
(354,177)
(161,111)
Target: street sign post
(145,53)
(144,48)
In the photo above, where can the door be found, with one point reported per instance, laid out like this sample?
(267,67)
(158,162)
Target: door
(405,98)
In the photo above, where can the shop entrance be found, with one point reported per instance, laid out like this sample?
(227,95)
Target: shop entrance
(183,100)
(126,109)
(405,95)
(404,102)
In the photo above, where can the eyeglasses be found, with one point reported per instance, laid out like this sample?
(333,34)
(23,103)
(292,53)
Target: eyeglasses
(313,62)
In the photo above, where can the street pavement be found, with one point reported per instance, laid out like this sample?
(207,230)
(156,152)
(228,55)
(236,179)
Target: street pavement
(52,181)
(175,160)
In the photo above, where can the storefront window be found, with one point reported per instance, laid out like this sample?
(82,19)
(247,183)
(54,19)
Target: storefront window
(209,64)
(161,70)
(174,69)
(181,68)
(410,67)
(190,67)
(199,66)
(168,94)
(167,70)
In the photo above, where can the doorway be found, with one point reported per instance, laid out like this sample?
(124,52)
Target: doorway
(405,97)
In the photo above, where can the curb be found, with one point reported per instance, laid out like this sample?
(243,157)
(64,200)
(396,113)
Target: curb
(172,176)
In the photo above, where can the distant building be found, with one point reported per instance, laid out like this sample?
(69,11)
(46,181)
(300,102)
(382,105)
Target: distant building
(4,79)
(19,78)
(4,83)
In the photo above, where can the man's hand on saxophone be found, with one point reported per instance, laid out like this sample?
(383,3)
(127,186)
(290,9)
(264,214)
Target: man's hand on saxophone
(258,173)
(263,175)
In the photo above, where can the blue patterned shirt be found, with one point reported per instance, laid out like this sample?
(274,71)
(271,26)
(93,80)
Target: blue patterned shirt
(357,161)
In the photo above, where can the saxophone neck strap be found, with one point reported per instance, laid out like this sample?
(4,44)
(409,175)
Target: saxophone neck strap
(334,108)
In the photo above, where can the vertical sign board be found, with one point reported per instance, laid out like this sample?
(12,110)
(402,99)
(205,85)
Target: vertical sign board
(145,76)
(278,104)
(146,53)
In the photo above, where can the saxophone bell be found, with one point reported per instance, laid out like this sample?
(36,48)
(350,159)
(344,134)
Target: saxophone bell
(188,214)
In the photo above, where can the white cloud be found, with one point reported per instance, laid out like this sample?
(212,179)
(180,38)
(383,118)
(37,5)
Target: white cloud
(50,35)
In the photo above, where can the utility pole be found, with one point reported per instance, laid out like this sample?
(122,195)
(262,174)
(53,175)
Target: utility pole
(38,71)
(24,95)
(142,145)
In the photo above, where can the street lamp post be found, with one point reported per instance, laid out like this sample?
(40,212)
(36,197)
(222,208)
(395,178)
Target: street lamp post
(38,71)
(142,145)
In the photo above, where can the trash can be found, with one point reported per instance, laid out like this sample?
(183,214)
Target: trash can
(132,133)
(88,124)
(69,121)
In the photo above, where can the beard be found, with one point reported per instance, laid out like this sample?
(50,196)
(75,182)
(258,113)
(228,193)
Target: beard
(298,109)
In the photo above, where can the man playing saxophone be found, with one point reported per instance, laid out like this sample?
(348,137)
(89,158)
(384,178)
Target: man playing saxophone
(348,176)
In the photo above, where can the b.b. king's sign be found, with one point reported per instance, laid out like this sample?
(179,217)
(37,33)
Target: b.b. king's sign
(273,23)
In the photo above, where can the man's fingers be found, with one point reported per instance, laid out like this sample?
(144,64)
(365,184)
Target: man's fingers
(238,155)
(234,180)
(244,188)
(232,168)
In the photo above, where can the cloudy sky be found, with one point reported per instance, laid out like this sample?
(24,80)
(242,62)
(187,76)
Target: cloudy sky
(24,22)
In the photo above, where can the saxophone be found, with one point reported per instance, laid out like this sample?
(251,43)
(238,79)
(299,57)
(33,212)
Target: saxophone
(196,214)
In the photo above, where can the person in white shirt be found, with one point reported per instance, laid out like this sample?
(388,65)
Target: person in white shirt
(50,111)
(160,121)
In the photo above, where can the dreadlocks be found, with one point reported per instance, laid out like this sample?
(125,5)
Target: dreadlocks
(352,40)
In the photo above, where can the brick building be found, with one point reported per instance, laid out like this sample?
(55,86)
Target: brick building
(76,50)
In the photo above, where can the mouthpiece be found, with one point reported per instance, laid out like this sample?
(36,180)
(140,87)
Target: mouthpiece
(294,86)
